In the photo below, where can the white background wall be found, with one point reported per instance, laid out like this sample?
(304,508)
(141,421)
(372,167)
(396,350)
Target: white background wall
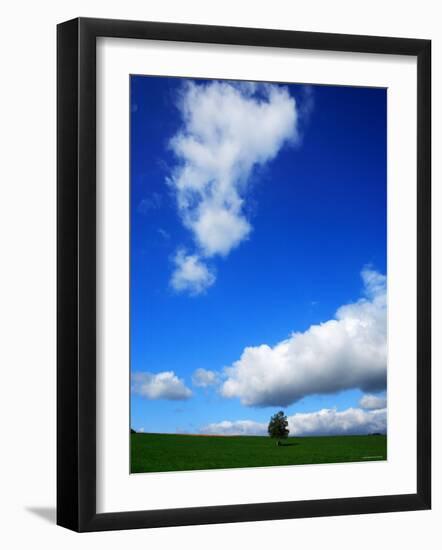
(27,271)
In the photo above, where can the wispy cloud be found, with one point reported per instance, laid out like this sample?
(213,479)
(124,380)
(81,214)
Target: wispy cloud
(373,402)
(164,234)
(307,105)
(203,378)
(352,421)
(152,202)
(346,352)
(163,385)
(227,130)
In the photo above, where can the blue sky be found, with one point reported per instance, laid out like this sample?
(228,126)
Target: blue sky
(256,213)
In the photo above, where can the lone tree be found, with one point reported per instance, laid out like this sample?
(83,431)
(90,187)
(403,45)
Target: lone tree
(278,427)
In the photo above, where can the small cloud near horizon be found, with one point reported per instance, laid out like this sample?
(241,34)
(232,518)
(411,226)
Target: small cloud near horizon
(352,421)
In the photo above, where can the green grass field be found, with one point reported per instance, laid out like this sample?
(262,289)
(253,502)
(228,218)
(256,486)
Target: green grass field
(169,452)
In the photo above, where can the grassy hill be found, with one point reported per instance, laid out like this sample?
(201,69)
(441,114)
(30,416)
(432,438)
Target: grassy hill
(170,452)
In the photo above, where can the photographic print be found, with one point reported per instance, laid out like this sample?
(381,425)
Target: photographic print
(258,274)
(225,304)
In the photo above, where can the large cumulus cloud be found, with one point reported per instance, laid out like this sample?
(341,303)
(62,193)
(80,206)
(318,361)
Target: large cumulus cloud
(349,351)
(227,130)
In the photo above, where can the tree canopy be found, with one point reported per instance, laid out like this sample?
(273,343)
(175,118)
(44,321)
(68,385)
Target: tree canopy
(278,426)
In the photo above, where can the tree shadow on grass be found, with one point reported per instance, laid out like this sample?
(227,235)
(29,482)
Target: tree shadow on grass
(291,444)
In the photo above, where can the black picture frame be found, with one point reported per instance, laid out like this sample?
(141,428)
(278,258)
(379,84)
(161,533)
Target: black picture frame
(77,287)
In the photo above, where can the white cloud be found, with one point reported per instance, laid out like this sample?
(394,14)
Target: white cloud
(163,385)
(191,274)
(203,378)
(373,402)
(324,422)
(219,229)
(236,427)
(331,422)
(228,129)
(346,352)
